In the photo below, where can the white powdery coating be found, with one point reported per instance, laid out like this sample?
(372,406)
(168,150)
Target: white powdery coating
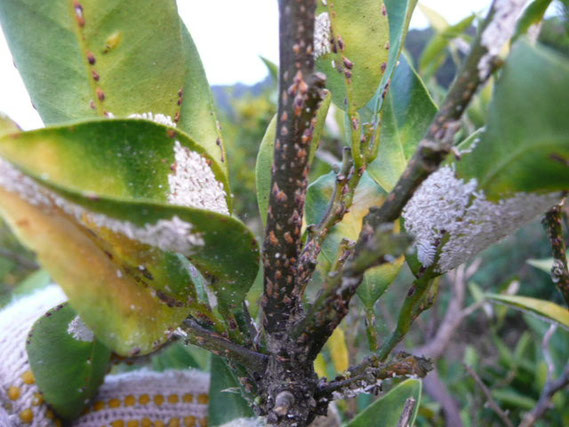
(157,118)
(435,209)
(167,234)
(321,35)
(246,422)
(498,32)
(193,183)
(79,330)
(446,205)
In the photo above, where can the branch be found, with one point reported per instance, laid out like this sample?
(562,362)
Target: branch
(299,97)
(559,272)
(23,261)
(455,313)
(195,334)
(331,305)
(341,201)
(551,386)
(366,377)
(432,150)
(491,402)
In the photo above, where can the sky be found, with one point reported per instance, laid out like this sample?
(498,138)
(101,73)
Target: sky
(230,38)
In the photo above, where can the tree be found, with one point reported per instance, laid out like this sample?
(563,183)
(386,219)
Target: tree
(126,200)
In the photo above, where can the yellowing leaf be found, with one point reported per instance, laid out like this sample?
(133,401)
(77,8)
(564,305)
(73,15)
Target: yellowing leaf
(339,350)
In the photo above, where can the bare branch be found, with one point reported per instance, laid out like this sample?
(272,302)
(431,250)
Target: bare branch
(551,386)
(491,402)
(339,204)
(300,92)
(366,377)
(23,261)
(559,273)
(195,334)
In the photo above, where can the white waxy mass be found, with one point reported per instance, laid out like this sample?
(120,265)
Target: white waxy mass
(171,234)
(321,35)
(449,212)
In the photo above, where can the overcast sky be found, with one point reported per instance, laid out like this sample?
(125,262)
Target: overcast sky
(230,38)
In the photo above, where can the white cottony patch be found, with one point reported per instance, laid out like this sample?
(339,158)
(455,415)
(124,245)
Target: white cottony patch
(437,205)
(321,35)
(79,330)
(498,32)
(158,118)
(446,206)
(246,422)
(193,183)
(171,234)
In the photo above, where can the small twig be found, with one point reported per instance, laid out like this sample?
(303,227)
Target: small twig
(365,377)
(559,272)
(438,390)
(195,334)
(23,261)
(551,386)
(339,204)
(405,419)
(491,402)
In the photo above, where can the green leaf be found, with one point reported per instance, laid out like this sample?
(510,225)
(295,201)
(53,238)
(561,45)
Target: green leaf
(436,20)
(435,52)
(225,402)
(263,168)
(68,362)
(511,397)
(81,59)
(377,281)
(544,264)
(533,14)
(34,281)
(407,114)
(545,310)
(272,68)
(152,286)
(399,14)
(361,35)
(174,356)
(7,125)
(387,410)
(197,114)
(526,145)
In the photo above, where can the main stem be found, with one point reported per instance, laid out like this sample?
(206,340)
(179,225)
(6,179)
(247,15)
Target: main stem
(289,382)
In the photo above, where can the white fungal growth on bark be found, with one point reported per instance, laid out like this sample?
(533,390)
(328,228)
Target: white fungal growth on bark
(448,207)
(171,234)
(321,35)
(79,330)
(498,32)
(193,183)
